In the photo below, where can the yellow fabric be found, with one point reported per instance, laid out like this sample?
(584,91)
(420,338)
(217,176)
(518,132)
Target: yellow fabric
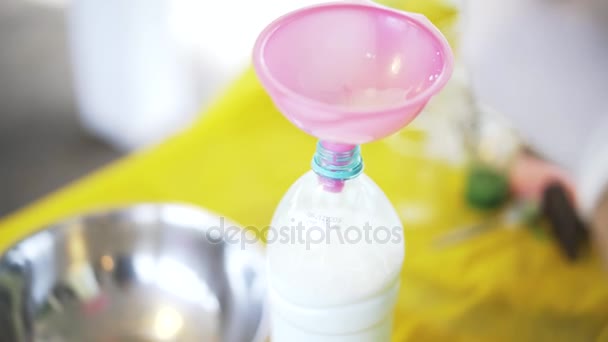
(242,155)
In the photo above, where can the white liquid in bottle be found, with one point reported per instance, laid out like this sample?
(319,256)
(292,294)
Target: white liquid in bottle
(334,260)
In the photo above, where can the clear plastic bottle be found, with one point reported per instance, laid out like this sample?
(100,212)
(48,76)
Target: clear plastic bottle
(334,255)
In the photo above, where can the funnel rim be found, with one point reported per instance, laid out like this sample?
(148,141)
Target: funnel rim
(271,83)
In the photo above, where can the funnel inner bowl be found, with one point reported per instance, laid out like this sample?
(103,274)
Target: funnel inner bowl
(353,56)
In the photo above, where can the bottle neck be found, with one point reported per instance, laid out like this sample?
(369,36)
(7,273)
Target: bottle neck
(336,163)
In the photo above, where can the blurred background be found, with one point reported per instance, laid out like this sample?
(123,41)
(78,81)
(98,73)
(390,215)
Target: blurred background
(84,82)
(42,143)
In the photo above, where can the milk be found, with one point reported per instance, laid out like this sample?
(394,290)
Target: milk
(334,260)
(369,98)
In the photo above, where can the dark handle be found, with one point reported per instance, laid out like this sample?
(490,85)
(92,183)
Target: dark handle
(567,227)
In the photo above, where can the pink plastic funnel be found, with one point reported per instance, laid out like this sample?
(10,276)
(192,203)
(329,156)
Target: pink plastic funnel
(352,73)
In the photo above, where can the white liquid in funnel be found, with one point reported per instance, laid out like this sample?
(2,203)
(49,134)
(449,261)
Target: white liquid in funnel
(374,98)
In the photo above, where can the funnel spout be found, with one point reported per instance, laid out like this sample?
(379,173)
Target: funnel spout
(337,147)
(336,163)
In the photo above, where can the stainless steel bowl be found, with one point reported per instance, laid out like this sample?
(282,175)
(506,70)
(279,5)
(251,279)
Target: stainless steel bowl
(144,273)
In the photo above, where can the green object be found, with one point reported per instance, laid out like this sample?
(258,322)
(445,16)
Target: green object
(487,188)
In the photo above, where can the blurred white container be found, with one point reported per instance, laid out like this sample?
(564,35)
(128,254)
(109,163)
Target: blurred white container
(131,84)
(143,68)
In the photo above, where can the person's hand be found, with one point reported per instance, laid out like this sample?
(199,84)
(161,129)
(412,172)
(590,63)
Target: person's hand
(535,179)
(529,176)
